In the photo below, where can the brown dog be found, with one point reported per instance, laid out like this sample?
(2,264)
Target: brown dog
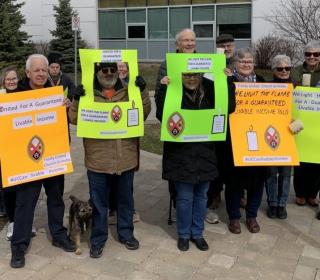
(80,215)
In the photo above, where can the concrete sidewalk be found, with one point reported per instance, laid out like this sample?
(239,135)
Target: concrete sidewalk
(284,249)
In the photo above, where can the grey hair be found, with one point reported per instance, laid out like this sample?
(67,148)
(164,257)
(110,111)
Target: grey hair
(35,56)
(178,35)
(312,45)
(278,59)
(242,53)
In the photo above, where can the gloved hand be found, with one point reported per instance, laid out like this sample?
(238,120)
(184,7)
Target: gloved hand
(140,83)
(79,91)
(296,126)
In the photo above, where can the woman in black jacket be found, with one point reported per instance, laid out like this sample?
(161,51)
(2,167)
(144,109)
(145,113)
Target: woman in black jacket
(278,181)
(238,178)
(192,165)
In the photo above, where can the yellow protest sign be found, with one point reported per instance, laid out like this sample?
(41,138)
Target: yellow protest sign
(259,126)
(34,141)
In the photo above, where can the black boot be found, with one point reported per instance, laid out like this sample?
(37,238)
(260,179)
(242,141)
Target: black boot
(17,259)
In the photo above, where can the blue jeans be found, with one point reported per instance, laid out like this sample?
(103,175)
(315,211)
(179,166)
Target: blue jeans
(278,185)
(191,208)
(100,185)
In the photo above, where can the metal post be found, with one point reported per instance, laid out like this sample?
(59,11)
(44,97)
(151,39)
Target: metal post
(75,59)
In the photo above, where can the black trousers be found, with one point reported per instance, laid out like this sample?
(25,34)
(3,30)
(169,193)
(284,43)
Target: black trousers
(26,200)
(9,198)
(306,180)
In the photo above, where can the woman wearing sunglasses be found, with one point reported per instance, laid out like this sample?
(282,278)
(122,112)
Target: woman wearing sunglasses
(306,176)
(278,181)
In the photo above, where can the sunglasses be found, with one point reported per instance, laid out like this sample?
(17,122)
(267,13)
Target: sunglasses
(110,70)
(309,54)
(280,69)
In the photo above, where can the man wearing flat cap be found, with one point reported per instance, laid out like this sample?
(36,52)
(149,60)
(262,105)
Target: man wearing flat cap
(226,42)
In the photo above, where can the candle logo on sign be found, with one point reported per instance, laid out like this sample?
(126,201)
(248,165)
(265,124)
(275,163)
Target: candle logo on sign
(272,137)
(252,139)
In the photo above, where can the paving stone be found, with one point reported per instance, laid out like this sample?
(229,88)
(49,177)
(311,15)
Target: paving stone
(107,277)
(263,242)
(306,261)
(274,274)
(221,260)
(142,275)
(21,274)
(48,271)
(71,275)
(35,262)
(304,273)
(311,252)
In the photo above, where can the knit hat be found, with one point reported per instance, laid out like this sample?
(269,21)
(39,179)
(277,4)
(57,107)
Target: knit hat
(224,38)
(55,57)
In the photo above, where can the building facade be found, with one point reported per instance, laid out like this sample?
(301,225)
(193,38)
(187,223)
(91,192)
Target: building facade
(150,25)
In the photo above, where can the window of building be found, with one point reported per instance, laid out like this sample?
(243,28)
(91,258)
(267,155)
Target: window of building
(112,4)
(203,30)
(235,19)
(179,19)
(157,2)
(158,23)
(180,2)
(112,25)
(239,31)
(203,1)
(204,13)
(136,32)
(136,16)
(136,3)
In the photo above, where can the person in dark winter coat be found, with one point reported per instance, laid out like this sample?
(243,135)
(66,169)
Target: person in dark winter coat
(57,77)
(191,166)
(185,43)
(28,194)
(238,178)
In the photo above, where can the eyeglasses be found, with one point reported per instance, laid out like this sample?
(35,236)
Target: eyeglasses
(280,69)
(110,70)
(245,61)
(309,54)
(11,80)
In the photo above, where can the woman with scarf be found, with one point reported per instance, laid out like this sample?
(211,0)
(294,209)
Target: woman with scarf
(238,178)
(278,181)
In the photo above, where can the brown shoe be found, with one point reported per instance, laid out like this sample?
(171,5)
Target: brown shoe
(234,226)
(313,202)
(301,201)
(252,225)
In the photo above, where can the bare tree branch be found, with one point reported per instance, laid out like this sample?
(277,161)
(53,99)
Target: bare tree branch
(297,20)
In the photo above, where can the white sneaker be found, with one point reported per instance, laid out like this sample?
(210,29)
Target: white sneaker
(212,218)
(136,217)
(33,231)
(9,231)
